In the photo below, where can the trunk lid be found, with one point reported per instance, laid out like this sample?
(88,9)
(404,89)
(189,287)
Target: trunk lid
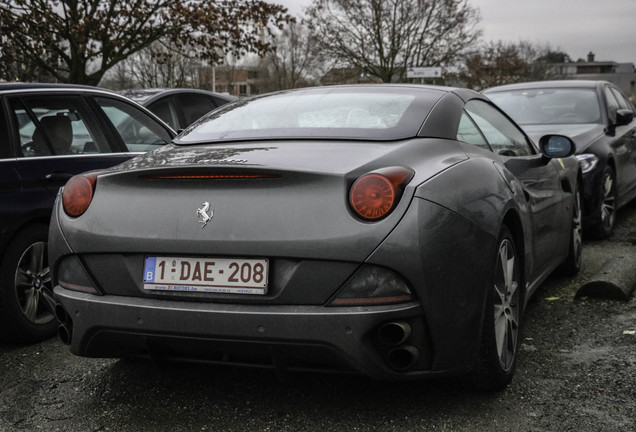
(286,200)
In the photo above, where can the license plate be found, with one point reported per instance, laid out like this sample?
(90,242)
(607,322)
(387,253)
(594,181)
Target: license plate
(214,275)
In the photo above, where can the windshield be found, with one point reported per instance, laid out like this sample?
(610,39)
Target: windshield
(549,106)
(370,113)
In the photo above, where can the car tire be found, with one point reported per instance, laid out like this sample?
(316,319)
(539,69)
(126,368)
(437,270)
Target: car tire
(572,263)
(502,319)
(604,225)
(26,299)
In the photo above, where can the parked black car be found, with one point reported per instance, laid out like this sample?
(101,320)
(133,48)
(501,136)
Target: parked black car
(178,107)
(48,133)
(599,119)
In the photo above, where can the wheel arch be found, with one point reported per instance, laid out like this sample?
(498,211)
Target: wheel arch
(39,219)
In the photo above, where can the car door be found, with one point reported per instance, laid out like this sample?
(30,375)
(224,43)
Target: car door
(539,178)
(54,136)
(623,141)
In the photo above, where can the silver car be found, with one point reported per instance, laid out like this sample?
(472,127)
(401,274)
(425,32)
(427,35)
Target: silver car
(393,230)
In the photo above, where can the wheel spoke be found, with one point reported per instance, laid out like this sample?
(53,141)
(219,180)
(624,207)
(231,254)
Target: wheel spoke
(577,229)
(30,306)
(608,204)
(37,258)
(22,279)
(49,300)
(45,275)
(502,277)
(608,184)
(607,211)
(510,272)
(501,330)
(511,342)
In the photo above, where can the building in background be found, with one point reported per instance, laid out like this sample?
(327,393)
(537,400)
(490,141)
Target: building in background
(621,75)
(235,81)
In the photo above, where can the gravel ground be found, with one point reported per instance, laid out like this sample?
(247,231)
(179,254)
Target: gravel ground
(576,372)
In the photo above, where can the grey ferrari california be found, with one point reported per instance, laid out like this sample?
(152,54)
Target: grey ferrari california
(393,230)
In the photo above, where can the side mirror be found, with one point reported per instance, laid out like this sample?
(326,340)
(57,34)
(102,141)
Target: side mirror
(556,146)
(624,117)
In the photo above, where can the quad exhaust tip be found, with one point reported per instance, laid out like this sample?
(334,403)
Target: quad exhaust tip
(65,330)
(403,358)
(394,333)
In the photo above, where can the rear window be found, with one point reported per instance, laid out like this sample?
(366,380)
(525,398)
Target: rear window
(368,113)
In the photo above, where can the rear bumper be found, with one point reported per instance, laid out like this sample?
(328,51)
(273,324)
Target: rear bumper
(292,337)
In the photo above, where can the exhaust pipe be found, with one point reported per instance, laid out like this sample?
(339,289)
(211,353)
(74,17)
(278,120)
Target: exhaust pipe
(60,313)
(65,333)
(65,330)
(403,358)
(394,333)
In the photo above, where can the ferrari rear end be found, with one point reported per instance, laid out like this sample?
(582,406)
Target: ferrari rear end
(302,231)
(262,264)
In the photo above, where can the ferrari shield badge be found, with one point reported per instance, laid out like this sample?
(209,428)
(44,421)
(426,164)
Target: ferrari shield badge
(205,214)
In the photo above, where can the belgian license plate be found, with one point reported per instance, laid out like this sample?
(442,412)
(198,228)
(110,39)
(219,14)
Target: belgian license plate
(214,275)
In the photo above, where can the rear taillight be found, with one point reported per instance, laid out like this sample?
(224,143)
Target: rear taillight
(78,193)
(375,195)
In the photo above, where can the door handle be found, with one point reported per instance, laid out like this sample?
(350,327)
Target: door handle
(59,177)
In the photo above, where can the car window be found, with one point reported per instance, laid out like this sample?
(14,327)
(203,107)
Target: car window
(469,133)
(612,104)
(194,106)
(54,125)
(139,131)
(549,105)
(623,103)
(504,137)
(164,109)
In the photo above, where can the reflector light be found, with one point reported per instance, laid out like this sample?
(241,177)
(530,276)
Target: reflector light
(78,194)
(372,285)
(73,276)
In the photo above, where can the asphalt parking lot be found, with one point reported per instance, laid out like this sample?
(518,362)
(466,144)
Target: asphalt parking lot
(576,372)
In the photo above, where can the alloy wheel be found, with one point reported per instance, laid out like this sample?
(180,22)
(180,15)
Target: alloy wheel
(33,285)
(506,304)
(577,229)
(608,204)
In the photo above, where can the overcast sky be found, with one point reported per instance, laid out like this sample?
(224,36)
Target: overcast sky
(605,27)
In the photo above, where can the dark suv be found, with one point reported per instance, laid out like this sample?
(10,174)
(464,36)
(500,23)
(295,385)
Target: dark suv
(49,133)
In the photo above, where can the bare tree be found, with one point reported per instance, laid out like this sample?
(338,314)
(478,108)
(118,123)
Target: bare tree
(160,65)
(383,38)
(294,62)
(119,77)
(79,40)
(498,63)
